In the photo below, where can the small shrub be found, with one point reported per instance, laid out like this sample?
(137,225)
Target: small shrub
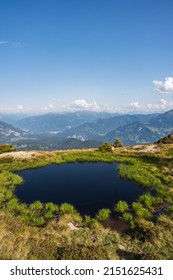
(128,217)
(90,222)
(117,143)
(48,215)
(37,205)
(51,207)
(140,211)
(121,206)
(13,204)
(87,220)
(158,200)
(67,208)
(147,199)
(105,147)
(103,214)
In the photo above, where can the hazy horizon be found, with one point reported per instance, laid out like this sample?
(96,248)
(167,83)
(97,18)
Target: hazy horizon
(40,113)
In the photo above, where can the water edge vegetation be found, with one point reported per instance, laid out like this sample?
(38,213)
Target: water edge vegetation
(40,231)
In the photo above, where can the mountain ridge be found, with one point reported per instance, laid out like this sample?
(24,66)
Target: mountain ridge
(131,129)
(57,122)
(9,132)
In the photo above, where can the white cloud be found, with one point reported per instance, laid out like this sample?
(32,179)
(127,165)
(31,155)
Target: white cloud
(78,105)
(81,104)
(164,87)
(3,42)
(48,107)
(16,44)
(135,105)
(19,108)
(160,106)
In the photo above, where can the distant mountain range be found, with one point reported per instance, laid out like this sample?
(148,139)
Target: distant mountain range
(12,117)
(99,128)
(134,133)
(57,123)
(143,132)
(85,129)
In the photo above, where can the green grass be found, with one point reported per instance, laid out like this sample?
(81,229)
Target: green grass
(40,231)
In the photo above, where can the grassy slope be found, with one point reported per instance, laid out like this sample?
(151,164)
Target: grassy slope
(37,233)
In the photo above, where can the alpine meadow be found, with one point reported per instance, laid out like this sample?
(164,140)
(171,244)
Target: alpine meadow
(86,130)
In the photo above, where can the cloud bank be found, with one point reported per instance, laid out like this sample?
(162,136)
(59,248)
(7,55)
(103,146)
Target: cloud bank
(82,104)
(165,86)
(162,105)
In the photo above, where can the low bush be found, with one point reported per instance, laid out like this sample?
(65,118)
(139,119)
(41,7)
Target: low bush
(105,147)
(140,211)
(51,207)
(37,205)
(103,214)
(67,208)
(128,217)
(121,206)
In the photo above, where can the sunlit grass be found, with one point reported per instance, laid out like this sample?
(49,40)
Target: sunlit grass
(40,231)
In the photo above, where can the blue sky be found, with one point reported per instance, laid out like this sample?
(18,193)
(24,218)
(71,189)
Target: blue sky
(58,55)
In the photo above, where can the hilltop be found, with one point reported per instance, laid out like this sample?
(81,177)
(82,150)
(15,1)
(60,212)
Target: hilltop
(166,140)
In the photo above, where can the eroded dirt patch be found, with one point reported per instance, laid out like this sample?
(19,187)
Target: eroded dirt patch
(21,154)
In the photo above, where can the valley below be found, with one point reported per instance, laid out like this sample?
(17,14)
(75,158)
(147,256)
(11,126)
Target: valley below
(77,130)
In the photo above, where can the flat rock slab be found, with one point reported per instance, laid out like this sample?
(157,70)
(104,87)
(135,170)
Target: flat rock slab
(72,227)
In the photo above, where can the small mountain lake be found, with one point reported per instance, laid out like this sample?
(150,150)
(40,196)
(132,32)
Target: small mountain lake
(87,186)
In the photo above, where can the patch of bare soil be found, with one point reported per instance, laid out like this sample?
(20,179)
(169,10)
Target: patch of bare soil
(116,223)
(21,154)
(148,148)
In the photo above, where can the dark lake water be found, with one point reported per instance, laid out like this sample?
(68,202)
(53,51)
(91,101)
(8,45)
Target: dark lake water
(87,186)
